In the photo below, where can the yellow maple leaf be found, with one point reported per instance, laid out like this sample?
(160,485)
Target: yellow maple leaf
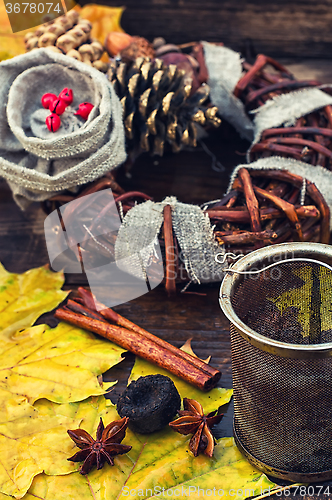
(38,442)
(104,19)
(24,297)
(157,463)
(302,298)
(60,364)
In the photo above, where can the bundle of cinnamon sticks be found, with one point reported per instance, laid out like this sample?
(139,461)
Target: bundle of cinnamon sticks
(87,313)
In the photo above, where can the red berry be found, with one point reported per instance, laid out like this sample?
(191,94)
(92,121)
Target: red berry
(53,122)
(84,109)
(47,100)
(67,96)
(58,106)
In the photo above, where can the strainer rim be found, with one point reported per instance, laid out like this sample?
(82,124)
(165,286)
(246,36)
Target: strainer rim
(273,346)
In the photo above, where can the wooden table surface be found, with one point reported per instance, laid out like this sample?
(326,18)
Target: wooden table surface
(191,177)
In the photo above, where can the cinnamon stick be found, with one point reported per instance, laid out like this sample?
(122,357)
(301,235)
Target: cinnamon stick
(169,252)
(119,320)
(145,348)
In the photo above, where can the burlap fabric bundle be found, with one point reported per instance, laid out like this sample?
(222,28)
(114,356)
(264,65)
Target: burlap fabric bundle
(192,228)
(37,163)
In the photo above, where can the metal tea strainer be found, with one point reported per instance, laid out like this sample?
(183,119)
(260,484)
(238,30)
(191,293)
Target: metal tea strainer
(279,302)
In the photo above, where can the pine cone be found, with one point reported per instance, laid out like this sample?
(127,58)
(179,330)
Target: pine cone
(158,107)
(139,47)
(68,35)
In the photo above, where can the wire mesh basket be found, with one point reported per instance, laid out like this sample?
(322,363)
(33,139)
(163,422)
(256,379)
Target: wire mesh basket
(279,302)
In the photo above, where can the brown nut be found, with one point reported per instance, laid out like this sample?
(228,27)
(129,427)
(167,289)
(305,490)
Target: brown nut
(116,41)
(139,47)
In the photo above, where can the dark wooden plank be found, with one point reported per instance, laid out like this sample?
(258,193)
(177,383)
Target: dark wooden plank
(296,29)
(22,241)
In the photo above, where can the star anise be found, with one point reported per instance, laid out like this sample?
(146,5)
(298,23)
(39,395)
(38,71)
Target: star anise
(103,448)
(193,421)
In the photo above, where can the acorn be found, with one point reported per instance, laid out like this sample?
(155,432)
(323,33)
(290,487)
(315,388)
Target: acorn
(139,47)
(117,41)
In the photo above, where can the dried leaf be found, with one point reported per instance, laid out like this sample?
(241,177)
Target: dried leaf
(104,19)
(156,462)
(60,364)
(39,441)
(187,348)
(12,44)
(25,297)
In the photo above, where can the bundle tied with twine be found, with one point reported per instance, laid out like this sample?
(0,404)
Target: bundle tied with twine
(225,69)
(192,230)
(319,176)
(38,163)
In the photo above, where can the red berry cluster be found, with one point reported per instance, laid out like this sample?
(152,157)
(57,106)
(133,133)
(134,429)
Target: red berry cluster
(58,104)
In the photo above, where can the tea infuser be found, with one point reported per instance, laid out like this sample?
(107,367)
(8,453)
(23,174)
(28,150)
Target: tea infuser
(278,301)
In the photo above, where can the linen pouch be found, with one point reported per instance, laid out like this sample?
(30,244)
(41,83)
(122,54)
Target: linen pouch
(38,163)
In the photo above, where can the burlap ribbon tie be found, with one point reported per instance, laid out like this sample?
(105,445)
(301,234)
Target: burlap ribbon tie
(192,229)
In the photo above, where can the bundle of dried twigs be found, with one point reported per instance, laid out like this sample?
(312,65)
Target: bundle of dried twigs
(265,79)
(263,208)
(310,139)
